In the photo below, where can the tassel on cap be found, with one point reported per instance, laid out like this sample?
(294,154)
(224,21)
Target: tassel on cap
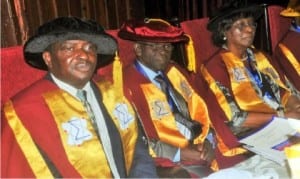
(118,75)
(191,55)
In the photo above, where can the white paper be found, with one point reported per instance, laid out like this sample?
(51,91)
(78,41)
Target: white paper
(295,123)
(270,140)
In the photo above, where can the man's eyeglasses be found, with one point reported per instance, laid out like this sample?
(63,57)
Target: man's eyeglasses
(242,25)
(158,46)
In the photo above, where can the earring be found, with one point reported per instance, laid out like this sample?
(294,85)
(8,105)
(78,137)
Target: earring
(224,38)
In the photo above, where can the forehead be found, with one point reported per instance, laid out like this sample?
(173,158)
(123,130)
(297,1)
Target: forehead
(75,41)
(145,42)
(247,19)
(70,43)
(235,17)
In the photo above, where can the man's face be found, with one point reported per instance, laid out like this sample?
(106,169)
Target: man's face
(155,56)
(72,61)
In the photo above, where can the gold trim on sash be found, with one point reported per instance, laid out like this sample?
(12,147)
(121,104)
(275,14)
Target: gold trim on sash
(227,110)
(129,135)
(241,85)
(26,143)
(194,101)
(162,116)
(86,151)
(291,58)
(226,151)
(285,98)
(265,66)
(218,93)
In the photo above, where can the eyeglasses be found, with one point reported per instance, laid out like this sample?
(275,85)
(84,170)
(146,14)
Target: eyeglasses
(241,26)
(158,46)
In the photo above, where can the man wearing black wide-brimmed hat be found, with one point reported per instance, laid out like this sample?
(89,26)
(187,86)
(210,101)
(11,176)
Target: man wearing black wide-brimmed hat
(63,125)
(174,115)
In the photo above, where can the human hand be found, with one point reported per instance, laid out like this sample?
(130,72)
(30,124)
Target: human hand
(292,114)
(207,151)
(292,108)
(198,152)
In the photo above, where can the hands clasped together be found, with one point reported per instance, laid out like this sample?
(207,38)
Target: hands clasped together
(198,153)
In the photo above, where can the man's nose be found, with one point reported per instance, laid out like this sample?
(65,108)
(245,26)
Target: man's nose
(249,28)
(81,53)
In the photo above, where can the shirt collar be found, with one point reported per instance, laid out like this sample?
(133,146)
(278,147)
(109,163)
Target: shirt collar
(150,73)
(68,88)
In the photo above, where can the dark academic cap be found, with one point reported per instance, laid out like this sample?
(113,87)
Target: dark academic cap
(69,28)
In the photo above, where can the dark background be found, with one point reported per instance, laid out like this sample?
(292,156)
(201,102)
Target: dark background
(20,18)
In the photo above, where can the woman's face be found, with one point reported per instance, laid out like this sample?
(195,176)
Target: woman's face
(241,33)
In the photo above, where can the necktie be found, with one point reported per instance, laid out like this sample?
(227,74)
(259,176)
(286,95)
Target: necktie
(175,100)
(81,94)
(179,108)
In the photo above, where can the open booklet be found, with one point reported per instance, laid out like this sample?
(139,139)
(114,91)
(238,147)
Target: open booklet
(270,140)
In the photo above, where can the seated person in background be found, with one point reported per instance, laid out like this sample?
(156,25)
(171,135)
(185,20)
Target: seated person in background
(242,80)
(63,126)
(287,53)
(174,116)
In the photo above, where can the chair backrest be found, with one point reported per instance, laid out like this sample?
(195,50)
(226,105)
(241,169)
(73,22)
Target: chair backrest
(15,73)
(125,50)
(203,45)
(278,25)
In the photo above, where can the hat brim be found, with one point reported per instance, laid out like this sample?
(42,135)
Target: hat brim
(36,60)
(256,10)
(35,46)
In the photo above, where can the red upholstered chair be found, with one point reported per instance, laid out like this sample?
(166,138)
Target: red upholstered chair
(126,52)
(278,25)
(203,45)
(15,73)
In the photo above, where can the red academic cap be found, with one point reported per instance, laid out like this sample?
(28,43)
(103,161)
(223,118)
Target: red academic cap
(151,30)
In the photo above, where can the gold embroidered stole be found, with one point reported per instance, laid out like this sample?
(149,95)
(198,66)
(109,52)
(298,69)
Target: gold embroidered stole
(222,101)
(161,113)
(243,91)
(126,124)
(26,143)
(197,107)
(227,110)
(77,154)
(291,58)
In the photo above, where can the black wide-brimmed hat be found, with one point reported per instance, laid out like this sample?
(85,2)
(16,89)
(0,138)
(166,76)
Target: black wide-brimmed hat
(230,10)
(69,28)
(151,30)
